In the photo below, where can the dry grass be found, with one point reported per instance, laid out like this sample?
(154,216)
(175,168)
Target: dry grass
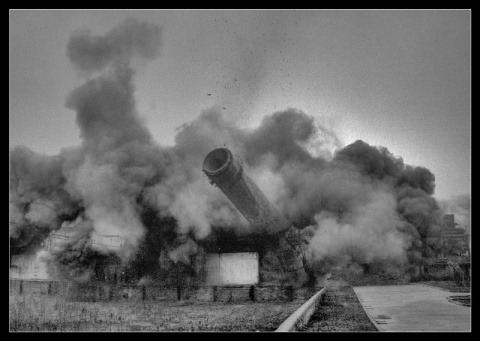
(44,313)
(340,311)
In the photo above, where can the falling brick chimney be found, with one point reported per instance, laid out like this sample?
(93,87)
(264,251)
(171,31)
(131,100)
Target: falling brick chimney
(227,173)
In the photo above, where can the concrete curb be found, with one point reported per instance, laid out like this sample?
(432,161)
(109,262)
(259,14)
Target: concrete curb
(302,315)
(366,312)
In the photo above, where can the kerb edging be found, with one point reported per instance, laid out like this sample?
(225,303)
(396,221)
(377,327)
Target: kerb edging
(302,315)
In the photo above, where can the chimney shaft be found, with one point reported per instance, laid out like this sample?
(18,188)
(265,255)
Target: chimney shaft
(227,174)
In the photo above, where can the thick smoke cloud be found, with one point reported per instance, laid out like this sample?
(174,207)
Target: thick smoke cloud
(105,176)
(119,156)
(130,38)
(368,236)
(38,200)
(360,206)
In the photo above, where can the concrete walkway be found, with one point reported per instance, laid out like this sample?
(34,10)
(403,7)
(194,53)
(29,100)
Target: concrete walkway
(413,307)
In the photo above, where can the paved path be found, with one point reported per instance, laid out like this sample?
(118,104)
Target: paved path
(413,307)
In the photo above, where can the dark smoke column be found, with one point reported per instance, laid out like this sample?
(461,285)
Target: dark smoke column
(227,173)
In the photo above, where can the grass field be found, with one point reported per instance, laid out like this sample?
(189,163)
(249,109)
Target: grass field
(44,313)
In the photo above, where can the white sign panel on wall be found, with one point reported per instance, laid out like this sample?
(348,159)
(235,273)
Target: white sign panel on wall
(232,268)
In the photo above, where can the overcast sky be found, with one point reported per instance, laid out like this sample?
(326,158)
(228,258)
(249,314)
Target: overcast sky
(399,79)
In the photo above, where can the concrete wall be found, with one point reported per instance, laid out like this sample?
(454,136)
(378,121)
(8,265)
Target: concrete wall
(438,272)
(222,269)
(56,240)
(37,287)
(232,268)
(106,292)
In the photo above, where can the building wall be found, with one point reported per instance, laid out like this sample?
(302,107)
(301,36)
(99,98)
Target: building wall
(28,267)
(31,267)
(232,268)
(439,271)
(56,240)
(449,221)
(107,292)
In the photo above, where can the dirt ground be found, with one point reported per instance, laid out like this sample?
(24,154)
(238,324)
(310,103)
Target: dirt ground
(43,313)
(340,311)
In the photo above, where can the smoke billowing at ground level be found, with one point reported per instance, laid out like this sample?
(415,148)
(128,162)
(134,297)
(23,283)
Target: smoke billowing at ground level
(360,206)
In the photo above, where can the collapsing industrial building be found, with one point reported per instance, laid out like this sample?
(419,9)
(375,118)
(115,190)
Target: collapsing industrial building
(453,260)
(228,174)
(225,276)
(272,254)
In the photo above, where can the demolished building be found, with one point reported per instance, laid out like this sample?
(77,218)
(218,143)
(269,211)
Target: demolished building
(453,261)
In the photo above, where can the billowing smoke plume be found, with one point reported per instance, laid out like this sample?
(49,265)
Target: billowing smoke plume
(360,206)
(104,177)
(131,38)
(39,201)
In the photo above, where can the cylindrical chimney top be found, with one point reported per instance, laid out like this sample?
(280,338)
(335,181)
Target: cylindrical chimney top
(217,161)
